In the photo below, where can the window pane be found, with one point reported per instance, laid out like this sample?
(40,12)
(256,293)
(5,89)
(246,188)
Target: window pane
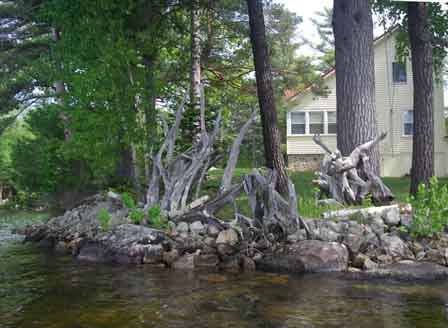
(298,118)
(297,128)
(316,122)
(331,122)
(408,123)
(399,72)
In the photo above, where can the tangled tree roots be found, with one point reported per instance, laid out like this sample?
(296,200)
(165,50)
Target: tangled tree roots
(348,180)
(176,182)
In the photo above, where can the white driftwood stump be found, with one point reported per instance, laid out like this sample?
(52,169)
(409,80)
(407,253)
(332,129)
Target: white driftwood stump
(349,180)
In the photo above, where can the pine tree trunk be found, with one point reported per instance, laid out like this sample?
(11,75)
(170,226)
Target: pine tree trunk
(268,112)
(355,76)
(422,72)
(195,78)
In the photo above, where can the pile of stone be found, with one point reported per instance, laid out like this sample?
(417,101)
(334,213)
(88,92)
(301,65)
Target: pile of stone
(368,241)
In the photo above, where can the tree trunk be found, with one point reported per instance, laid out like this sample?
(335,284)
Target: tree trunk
(422,74)
(195,78)
(355,76)
(268,112)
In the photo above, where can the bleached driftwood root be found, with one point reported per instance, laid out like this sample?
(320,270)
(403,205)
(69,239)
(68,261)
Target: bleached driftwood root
(349,180)
(174,176)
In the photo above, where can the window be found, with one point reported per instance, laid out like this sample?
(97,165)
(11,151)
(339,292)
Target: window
(312,122)
(331,122)
(298,123)
(316,122)
(399,72)
(408,123)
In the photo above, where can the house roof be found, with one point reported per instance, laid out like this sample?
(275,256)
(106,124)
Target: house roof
(289,94)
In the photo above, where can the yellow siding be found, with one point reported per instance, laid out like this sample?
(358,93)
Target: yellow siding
(392,99)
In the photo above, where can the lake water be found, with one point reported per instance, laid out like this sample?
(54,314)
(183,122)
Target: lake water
(41,289)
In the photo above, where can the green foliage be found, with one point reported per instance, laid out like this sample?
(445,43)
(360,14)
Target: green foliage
(136,215)
(128,201)
(429,209)
(104,218)
(155,219)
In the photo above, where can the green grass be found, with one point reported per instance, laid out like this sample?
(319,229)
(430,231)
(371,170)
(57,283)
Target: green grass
(304,189)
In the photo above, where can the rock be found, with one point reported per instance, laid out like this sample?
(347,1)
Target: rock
(297,236)
(62,247)
(212,230)
(247,264)
(172,229)
(306,256)
(92,252)
(436,256)
(170,257)
(377,225)
(406,219)
(114,197)
(410,270)
(206,261)
(319,256)
(363,262)
(153,254)
(228,236)
(395,247)
(230,263)
(182,227)
(210,241)
(384,259)
(227,242)
(197,228)
(185,262)
(392,216)
(326,234)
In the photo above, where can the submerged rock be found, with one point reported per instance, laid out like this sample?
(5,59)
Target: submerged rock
(409,270)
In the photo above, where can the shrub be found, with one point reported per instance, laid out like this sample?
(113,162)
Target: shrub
(429,209)
(136,216)
(155,219)
(104,218)
(128,201)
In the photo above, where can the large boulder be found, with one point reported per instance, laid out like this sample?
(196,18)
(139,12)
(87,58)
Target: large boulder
(307,256)
(409,270)
(392,245)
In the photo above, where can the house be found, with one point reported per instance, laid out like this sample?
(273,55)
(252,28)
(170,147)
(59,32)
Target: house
(312,114)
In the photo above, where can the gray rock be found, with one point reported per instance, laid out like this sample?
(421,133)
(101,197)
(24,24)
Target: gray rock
(363,262)
(210,241)
(153,254)
(228,236)
(114,197)
(230,264)
(297,236)
(406,219)
(395,247)
(206,261)
(212,230)
(197,228)
(392,216)
(182,227)
(185,262)
(306,256)
(409,270)
(326,234)
(170,257)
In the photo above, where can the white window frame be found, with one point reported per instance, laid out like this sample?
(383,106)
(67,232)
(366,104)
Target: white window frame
(403,113)
(307,122)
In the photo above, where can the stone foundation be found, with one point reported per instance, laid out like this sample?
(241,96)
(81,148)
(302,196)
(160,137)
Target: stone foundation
(302,162)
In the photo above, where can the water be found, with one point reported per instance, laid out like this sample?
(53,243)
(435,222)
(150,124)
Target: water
(41,289)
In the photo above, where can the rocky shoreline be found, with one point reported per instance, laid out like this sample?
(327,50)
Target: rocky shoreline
(366,243)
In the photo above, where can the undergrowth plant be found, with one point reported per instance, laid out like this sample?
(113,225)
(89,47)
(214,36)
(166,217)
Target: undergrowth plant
(429,209)
(104,218)
(155,219)
(136,216)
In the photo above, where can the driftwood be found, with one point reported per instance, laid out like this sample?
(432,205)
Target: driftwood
(176,180)
(349,180)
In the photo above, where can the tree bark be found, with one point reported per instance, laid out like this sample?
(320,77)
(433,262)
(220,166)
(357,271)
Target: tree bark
(422,74)
(195,78)
(355,76)
(268,113)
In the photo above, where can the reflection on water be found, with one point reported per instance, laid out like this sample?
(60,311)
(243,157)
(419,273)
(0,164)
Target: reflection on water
(39,289)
